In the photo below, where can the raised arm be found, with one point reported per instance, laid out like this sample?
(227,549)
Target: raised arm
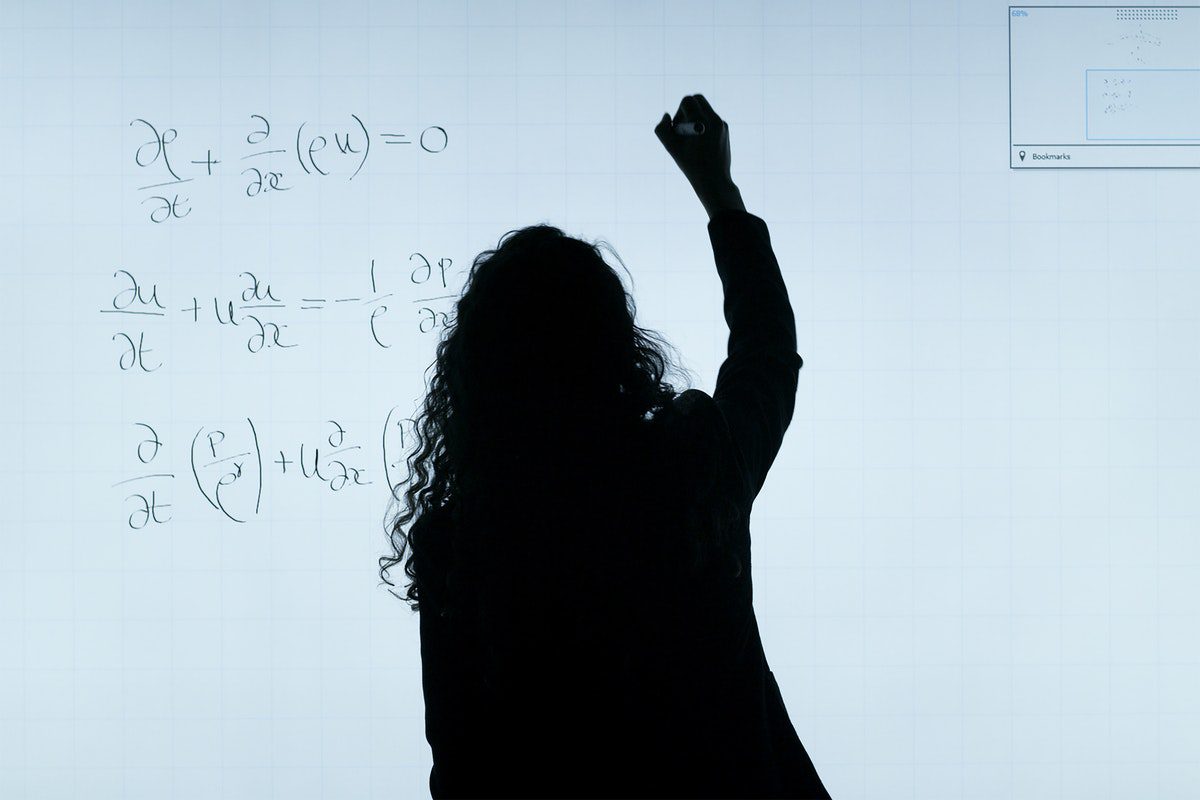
(756,384)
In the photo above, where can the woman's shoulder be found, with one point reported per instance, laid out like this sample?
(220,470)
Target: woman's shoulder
(690,412)
(690,402)
(706,455)
(700,430)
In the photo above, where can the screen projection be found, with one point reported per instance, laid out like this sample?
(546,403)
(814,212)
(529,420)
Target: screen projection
(1104,86)
(234,233)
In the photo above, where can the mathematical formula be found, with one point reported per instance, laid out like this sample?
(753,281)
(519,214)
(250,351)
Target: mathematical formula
(234,468)
(257,315)
(317,155)
(1116,94)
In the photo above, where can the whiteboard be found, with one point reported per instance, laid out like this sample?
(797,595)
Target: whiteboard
(976,557)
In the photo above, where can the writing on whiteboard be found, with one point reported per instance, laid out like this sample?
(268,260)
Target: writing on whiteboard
(259,159)
(232,468)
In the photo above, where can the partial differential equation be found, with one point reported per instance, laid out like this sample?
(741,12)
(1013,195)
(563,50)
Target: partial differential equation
(262,318)
(235,469)
(259,157)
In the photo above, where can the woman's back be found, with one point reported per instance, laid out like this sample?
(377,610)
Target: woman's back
(604,662)
(600,654)
(612,648)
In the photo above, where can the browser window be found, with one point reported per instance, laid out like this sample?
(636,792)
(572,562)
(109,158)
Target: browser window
(1104,86)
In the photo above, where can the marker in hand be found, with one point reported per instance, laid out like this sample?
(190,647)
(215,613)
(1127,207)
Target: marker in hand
(689,128)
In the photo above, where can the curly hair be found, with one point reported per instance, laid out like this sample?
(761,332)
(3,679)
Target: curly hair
(541,358)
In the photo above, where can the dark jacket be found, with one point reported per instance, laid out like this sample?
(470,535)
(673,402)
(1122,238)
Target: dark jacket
(666,691)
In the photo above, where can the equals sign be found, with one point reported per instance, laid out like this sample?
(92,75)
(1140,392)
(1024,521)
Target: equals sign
(320,300)
(388,136)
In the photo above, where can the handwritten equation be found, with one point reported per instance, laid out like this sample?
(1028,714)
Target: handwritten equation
(317,155)
(258,312)
(233,470)
(1116,94)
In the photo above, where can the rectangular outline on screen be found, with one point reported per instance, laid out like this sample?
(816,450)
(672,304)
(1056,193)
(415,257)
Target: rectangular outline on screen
(1087,116)
(1012,144)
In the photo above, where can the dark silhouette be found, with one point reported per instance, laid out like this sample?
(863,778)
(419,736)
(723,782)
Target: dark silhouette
(580,555)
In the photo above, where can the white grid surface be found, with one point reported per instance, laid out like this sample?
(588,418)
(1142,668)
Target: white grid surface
(976,556)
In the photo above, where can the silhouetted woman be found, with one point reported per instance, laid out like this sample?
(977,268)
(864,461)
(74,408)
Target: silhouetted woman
(580,547)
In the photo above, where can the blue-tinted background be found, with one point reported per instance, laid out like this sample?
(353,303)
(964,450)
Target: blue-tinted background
(976,558)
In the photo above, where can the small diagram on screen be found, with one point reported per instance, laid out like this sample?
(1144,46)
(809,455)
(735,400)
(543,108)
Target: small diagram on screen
(1143,105)
(1116,96)
(1104,87)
